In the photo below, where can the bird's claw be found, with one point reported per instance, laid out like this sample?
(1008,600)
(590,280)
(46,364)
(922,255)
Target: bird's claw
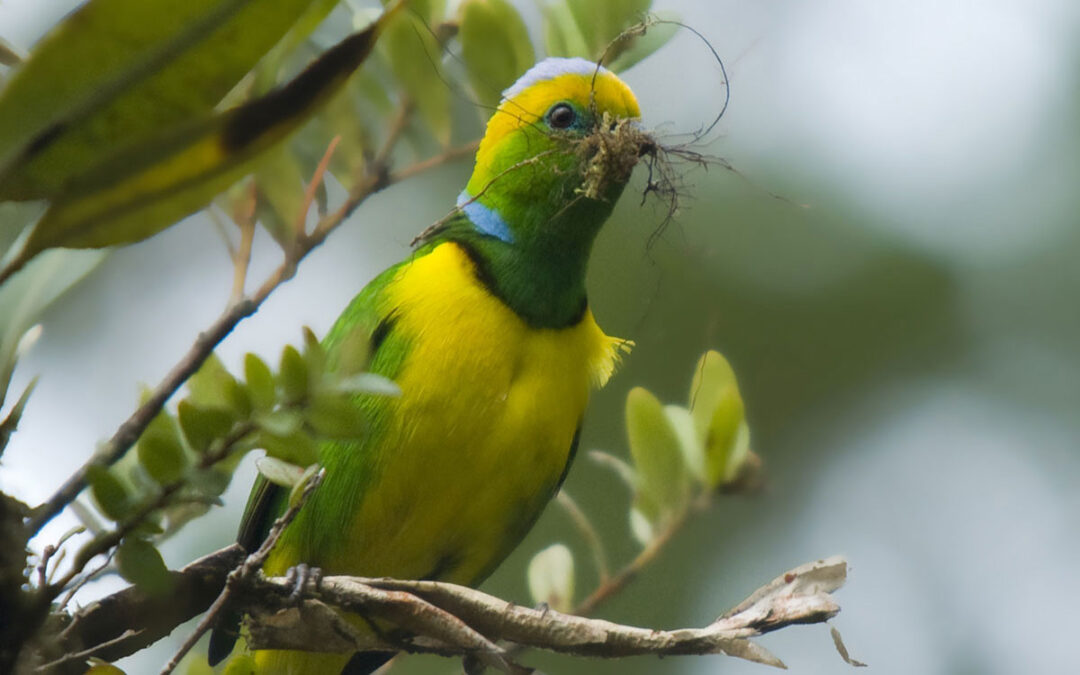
(300,577)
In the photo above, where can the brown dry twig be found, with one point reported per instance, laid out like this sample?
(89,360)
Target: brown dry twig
(449,620)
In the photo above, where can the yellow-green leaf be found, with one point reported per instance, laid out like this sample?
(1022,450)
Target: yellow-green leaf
(654,446)
(144,189)
(562,37)
(601,21)
(551,577)
(116,72)
(161,452)
(207,387)
(719,417)
(293,375)
(260,382)
(203,425)
(279,472)
(110,493)
(139,562)
(495,45)
(414,56)
(296,448)
(336,417)
(281,195)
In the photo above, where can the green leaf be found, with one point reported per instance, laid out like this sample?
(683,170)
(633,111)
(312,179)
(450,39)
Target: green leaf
(562,36)
(414,56)
(719,417)
(279,472)
(495,45)
(296,448)
(641,527)
(281,195)
(298,489)
(293,375)
(160,451)
(114,74)
(314,356)
(208,387)
(654,446)
(139,562)
(353,353)
(280,422)
(551,578)
(260,382)
(214,481)
(203,425)
(601,21)
(368,383)
(109,492)
(144,189)
(682,423)
(239,399)
(336,417)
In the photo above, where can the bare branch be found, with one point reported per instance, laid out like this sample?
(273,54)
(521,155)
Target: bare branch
(455,620)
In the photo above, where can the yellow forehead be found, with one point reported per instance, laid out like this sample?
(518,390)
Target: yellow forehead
(606,91)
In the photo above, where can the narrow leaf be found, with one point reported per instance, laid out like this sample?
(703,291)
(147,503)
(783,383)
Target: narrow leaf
(414,56)
(143,190)
(260,382)
(279,472)
(654,447)
(293,375)
(495,45)
(113,74)
(368,383)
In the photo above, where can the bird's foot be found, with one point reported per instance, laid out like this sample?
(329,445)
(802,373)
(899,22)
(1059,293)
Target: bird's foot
(302,576)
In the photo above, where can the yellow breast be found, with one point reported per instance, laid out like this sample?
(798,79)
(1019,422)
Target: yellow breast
(480,437)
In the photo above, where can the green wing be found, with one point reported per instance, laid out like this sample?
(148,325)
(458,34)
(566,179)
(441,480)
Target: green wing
(368,313)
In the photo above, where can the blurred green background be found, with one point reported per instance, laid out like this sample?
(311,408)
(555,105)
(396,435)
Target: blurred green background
(890,267)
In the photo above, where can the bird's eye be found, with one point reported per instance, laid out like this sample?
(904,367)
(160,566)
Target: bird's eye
(561,116)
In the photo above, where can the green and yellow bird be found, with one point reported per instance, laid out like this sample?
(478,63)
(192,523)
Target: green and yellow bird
(487,330)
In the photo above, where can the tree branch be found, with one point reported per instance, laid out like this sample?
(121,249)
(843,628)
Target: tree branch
(448,619)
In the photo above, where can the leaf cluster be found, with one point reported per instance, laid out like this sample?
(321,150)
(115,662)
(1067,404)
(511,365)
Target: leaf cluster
(680,455)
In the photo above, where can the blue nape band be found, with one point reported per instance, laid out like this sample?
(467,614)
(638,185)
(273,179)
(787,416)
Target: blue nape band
(486,219)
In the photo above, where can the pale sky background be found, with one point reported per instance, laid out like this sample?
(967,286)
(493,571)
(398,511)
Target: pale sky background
(950,128)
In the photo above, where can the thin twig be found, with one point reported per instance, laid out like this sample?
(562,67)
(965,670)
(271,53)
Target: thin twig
(624,576)
(313,186)
(86,653)
(588,532)
(251,565)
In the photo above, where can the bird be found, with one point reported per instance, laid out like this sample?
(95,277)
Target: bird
(488,333)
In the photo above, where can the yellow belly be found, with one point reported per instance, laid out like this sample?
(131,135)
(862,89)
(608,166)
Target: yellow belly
(482,432)
(477,443)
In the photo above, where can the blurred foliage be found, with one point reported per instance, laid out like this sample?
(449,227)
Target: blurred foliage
(680,457)
(184,461)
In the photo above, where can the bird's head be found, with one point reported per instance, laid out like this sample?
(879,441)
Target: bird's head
(556,155)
